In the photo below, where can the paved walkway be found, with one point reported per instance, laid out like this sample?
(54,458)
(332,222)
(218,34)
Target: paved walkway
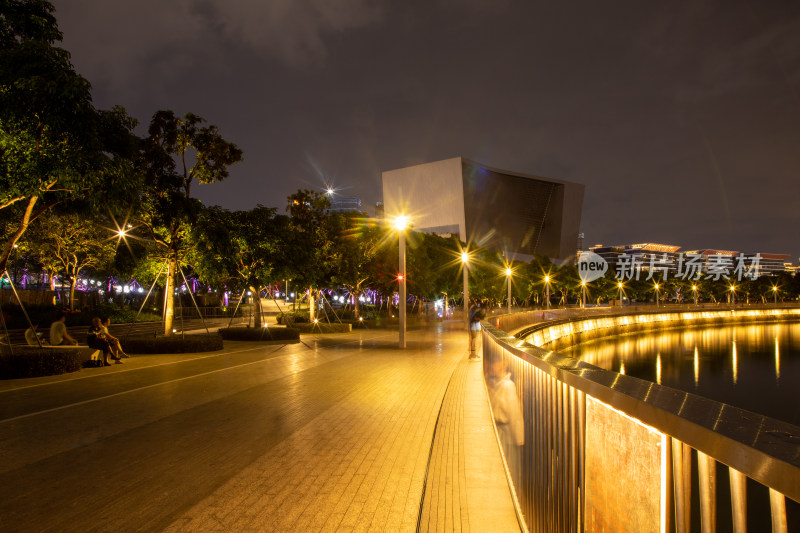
(338,433)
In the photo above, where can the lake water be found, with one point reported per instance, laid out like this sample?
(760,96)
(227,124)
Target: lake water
(755,367)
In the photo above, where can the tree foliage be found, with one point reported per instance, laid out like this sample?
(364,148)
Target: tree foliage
(177,153)
(70,244)
(242,249)
(54,145)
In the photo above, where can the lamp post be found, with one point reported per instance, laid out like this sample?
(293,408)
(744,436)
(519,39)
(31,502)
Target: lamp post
(465,261)
(694,290)
(508,275)
(732,297)
(547,291)
(619,284)
(400,224)
(775,293)
(656,294)
(583,293)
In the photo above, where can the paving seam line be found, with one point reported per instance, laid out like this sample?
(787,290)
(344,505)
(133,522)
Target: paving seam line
(430,452)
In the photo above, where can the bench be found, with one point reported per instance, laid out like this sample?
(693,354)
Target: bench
(87,353)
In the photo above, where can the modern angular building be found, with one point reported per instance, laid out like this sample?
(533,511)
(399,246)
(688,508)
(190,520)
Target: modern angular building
(515,213)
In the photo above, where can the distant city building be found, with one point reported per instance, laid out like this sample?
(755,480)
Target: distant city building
(345,204)
(517,214)
(768,263)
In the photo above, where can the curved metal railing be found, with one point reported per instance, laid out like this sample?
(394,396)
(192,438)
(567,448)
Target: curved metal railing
(591,450)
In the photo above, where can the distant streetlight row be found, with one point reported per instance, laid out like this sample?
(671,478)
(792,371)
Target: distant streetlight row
(401,224)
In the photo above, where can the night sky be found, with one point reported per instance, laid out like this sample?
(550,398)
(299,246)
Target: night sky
(681,118)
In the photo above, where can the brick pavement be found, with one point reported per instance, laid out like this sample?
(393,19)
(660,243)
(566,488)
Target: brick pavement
(324,436)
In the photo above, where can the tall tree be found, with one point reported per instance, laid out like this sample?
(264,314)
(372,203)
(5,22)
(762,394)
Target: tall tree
(178,153)
(70,243)
(359,246)
(54,145)
(312,251)
(242,249)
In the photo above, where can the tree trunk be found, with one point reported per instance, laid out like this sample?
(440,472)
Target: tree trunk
(356,306)
(169,297)
(312,306)
(8,247)
(256,306)
(72,280)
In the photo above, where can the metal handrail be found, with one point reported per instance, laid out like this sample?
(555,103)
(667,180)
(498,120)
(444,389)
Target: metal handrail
(515,322)
(554,389)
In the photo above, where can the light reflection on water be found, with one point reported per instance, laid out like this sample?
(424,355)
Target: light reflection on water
(755,367)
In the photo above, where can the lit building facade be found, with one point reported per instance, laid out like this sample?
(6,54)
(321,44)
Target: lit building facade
(517,214)
(345,204)
(768,263)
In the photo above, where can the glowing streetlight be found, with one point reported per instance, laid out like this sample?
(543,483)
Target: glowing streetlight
(547,290)
(400,224)
(619,285)
(775,293)
(657,294)
(732,297)
(465,262)
(694,290)
(583,293)
(508,276)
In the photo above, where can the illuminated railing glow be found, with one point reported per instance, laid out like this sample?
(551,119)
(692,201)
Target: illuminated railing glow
(545,334)
(574,413)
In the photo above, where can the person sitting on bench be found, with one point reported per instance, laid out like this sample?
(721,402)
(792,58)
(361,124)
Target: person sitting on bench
(96,339)
(105,322)
(31,334)
(58,331)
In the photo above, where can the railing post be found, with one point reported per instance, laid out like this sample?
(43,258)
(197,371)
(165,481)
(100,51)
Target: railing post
(581,460)
(682,476)
(669,498)
(777,503)
(738,500)
(707,472)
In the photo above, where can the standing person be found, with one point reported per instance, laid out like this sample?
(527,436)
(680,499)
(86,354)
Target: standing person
(475,317)
(112,340)
(508,415)
(58,331)
(96,339)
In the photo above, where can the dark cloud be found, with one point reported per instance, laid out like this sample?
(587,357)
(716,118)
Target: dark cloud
(682,118)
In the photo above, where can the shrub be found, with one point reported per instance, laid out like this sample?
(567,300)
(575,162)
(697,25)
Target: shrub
(29,362)
(324,328)
(260,334)
(122,315)
(293,317)
(142,344)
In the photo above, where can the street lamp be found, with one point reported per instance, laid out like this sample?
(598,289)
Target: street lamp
(508,275)
(400,224)
(547,290)
(694,290)
(619,284)
(656,294)
(732,297)
(775,293)
(583,293)
(465,261)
